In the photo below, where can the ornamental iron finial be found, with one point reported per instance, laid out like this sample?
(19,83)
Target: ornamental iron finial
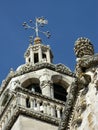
(39,22)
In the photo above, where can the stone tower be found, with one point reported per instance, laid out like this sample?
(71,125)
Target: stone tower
(40,95)
(33,97)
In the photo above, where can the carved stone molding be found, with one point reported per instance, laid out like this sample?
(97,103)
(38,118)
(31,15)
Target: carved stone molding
(86,62)
(83,46)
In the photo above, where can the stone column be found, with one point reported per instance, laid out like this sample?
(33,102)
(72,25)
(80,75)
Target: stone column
(40,54)
(48,56)
(52,110)
(32,103)
(21,100)
(52,90)
(31,56)
(58,111)
(46,87)
(38,105)
(46,84)
(45,107)
(48,109)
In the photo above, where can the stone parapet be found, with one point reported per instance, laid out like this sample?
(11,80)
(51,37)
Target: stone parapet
(33,105)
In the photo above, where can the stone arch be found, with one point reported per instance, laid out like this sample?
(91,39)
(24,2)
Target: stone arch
(60,86)
(59,79)
(31,83)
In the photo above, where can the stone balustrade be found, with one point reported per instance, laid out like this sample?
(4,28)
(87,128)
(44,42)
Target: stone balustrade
(34,103)
(41,105)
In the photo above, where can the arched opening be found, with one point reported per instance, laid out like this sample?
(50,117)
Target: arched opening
(59,92)
(32,84)
(59,87)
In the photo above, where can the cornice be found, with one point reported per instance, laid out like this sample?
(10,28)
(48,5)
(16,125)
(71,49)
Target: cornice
(26,68)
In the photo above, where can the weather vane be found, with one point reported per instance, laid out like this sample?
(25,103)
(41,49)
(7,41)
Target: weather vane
(39,22)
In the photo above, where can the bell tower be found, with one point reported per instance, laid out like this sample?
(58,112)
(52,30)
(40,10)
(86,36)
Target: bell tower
(38,53)
(40,95)
(33,96)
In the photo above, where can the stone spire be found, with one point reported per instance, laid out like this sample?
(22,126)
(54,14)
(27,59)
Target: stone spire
(83,46)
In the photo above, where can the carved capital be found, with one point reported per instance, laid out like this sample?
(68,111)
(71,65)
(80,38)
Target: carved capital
(46,83)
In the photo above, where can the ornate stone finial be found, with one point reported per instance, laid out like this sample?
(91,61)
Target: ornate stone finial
(83,46)
(39,22)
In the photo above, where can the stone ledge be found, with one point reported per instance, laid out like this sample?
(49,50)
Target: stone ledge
(23,111)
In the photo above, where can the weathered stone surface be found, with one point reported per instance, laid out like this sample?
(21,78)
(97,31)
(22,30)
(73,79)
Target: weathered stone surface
(27,123)
(83,46)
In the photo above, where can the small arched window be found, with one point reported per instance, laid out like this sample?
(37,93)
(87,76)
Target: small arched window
(32,84)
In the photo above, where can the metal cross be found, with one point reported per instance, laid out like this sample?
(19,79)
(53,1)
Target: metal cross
(39,22)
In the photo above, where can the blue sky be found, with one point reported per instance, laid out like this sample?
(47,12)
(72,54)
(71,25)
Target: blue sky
(67,20)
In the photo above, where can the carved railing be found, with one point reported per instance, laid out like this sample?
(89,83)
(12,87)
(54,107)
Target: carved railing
(34,105)
(40,105)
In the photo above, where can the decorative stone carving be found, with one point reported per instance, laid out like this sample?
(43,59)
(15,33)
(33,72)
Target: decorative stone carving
(79,108)
(5,98)
(84,91)
(84,80)
(83,46)
(86,62)
(46,86)
(85,56)
(15,84)
(69,106)
(46,83)
(62,67)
